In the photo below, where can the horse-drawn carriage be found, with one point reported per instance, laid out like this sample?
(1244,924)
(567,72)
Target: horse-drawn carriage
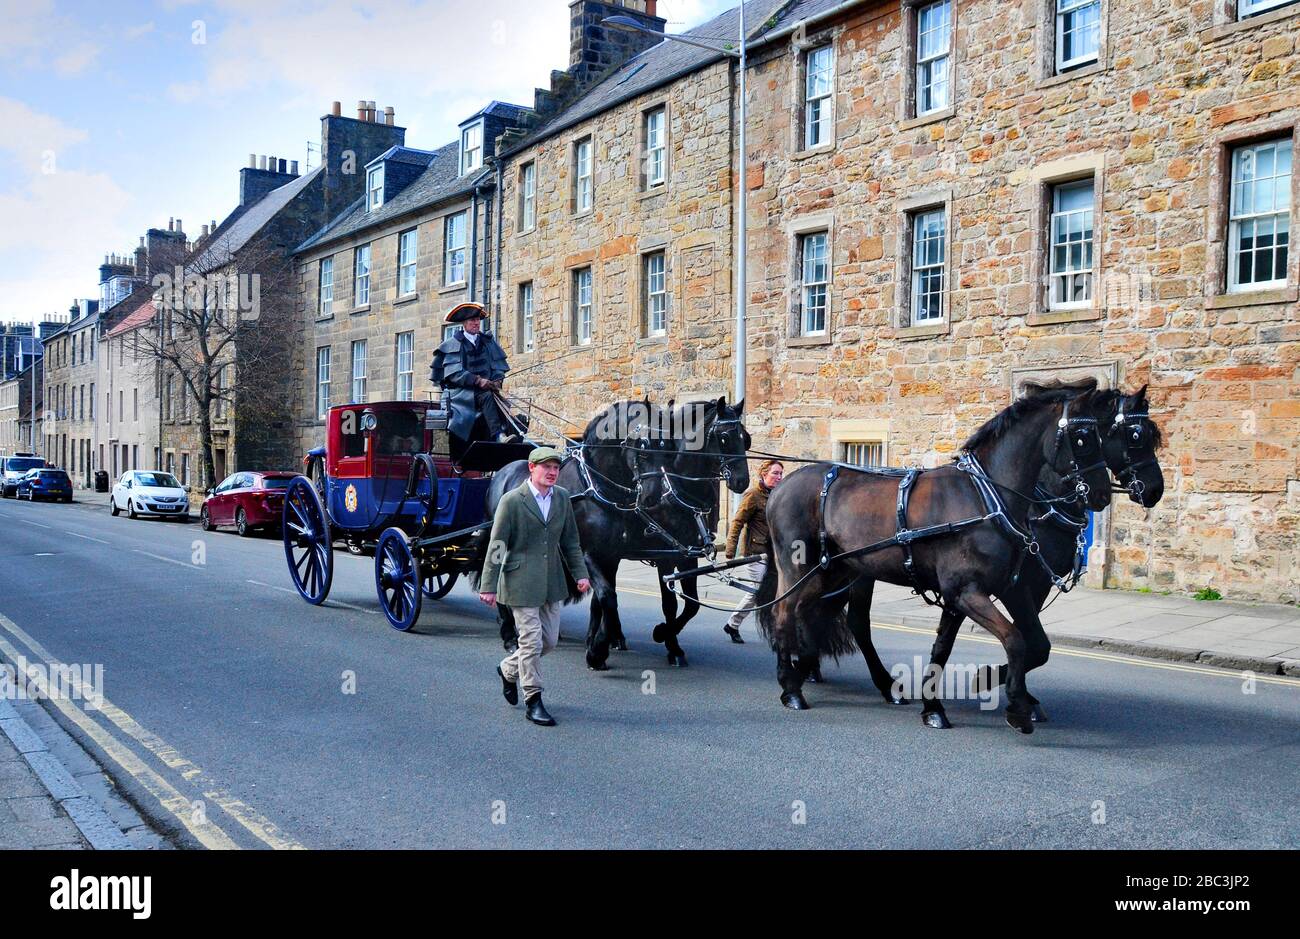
(393,483)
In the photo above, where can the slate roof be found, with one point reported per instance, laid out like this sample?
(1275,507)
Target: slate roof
(436,184)
(230,238)
(143,314)
(668,60)
(404,155)
(510,113)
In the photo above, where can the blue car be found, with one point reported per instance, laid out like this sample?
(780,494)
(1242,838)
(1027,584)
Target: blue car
(45,484)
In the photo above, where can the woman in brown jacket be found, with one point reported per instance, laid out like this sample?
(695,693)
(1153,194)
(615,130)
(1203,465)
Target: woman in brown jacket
(751,518)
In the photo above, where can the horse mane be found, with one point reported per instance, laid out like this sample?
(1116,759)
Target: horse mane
(1038,397)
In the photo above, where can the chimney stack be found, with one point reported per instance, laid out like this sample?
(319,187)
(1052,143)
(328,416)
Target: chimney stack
(595,49)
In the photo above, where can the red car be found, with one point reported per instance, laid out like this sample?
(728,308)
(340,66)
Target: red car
(246,500)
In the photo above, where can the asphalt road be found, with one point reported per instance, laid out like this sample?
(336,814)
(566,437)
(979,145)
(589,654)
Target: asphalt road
(228,690)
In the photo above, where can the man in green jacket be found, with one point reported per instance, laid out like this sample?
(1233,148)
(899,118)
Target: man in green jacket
(534,539)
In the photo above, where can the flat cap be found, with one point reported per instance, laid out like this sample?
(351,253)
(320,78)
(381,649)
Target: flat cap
(543,454)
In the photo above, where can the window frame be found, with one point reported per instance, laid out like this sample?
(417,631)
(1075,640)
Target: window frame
(362,376)
(323,385)
(578,308)
(528,196)
(361,279)
(801,325)
(453,255)
(465,150)
(1232,234)
(325,288)
(586,143)
(825,102)
(1061,65)
(649,294)
(404,378)
(659,111)
(1247,9)
(1055,188)
(918,63)
(527,325)
(406,262)
(374,193)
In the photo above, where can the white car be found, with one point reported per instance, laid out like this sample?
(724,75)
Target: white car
(150,492)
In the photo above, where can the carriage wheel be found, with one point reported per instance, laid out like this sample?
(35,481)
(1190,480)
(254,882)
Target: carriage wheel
(437,585)
(422,469)
(397,579)
(307,542)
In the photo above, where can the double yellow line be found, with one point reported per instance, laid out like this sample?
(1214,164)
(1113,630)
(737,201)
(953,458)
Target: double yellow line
(181,807)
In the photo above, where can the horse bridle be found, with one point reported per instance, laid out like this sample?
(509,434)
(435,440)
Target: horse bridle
(1127,476)
(1064,427)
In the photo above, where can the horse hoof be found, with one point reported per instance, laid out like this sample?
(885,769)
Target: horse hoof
(795,701)
(680,660)
(936,719)
(896,699)
(1038,715)
(658,633)
(597,665)
(1020,722)
(619,644)
(510,645)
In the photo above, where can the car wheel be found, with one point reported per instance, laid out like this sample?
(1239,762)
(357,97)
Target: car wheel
(241,524)
(112,506)
(205,520)
(130,509)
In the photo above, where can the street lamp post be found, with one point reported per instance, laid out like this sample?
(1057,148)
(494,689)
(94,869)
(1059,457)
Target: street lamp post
(742,218)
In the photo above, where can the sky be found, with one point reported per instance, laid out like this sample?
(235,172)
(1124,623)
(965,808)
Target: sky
(115,117)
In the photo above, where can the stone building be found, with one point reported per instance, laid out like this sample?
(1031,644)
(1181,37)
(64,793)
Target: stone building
(947,198)
(70,374)
(377,281)
(20,400)
(243,392)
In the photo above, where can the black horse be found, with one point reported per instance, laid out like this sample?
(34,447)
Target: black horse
(1129,440)
(712,443)
(964,534)
(634,476)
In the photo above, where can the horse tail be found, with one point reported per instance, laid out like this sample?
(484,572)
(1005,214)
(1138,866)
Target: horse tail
(834,638)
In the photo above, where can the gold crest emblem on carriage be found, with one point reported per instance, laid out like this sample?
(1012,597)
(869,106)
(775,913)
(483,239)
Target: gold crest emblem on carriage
(350,498)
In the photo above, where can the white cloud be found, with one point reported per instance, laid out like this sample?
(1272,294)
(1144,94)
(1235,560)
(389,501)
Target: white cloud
(184,92)
(76,59)
(54,220)
(135,32)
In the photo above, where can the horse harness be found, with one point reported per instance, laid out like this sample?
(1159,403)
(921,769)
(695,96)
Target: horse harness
(995,511)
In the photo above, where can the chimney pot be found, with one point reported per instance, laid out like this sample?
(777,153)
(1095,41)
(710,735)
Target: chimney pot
(389,115)
(361,110)
(212,226)
(179,226)
(293,167)
(252,161)
(170,222)
(284,165)
(337,109)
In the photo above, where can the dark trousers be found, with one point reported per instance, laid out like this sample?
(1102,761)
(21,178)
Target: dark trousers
(486,404)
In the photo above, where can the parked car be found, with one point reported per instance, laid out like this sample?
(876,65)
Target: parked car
(15,468)
(45,484)
(246,500)
(150,492)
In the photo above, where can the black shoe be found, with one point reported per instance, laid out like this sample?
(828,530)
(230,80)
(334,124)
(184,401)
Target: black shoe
(509,689)
(734,633)
(537,712)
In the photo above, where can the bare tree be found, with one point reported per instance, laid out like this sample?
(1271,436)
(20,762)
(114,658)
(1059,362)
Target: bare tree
(222,339)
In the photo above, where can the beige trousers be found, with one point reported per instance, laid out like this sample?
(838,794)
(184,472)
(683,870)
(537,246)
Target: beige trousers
(538,628)
(753,571)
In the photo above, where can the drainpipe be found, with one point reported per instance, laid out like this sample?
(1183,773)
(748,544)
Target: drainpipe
(488,222)
(473,243)
(501,210)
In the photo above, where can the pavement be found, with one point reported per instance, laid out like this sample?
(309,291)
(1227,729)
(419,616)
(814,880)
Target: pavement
(1260,637)
(236,716)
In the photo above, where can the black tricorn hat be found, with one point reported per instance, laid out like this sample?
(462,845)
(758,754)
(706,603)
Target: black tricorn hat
(463,311)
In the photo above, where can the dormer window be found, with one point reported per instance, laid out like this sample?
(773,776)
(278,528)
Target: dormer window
(375,188)
(471,148)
